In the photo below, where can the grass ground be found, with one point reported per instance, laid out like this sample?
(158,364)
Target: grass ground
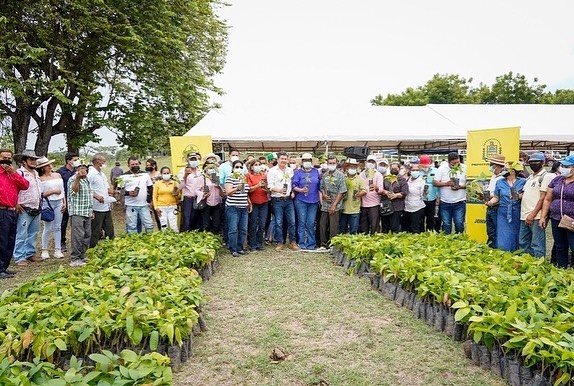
(336,330)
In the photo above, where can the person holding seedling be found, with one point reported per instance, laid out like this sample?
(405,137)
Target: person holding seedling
(306,187)
(356,189)
(165,198)
(450,178)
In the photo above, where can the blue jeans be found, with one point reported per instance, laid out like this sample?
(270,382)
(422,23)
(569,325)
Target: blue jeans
(563,240)
(27,230)
(453,212)
(53,226)
(283,208)
(351,220)
(306,216)
(236,219)
(532,239)
(257,219)
(133,213)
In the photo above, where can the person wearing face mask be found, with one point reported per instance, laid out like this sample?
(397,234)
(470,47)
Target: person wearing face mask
(507,194)
(383,166)
(138,189)
(356,190)
(413,217)
(558,202)
(293,163)
(72,162)
(332,189)
(395,188)
(532,238)
(370,220)
(306,187)
(151,169)
(211,214)
(165,198)
(450,178)
(257,181)
(101,200)
(225,168)
(430,193)
(190,180)
(497,166)
(236,205)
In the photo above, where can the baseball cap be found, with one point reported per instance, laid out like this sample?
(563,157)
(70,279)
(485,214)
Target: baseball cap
(371,158)
(271,156)
(425,160)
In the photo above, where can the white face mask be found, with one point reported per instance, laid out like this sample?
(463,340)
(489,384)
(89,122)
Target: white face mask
(332,167)
(382,169)
(234,158)
(307,165)
(103,166)
(166,176)
(565,171)
(292,166)
(415,174)
(193,164)
(210,171)
(257,169)
(75,164)
(352,172)
(370,166)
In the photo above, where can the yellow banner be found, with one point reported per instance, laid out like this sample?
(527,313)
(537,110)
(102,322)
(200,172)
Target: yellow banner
(182,146)
(481,145)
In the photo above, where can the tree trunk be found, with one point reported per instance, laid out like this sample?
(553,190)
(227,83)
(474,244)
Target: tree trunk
(45,127)
(20,125)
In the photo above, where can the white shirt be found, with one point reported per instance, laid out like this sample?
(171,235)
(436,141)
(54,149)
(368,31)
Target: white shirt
(132,181)
(535,183)
(276,178)
(414,199)
(99,185)
(448,195)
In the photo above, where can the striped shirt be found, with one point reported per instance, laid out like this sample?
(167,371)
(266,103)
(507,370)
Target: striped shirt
(31,197)
(238,198)
(80,203)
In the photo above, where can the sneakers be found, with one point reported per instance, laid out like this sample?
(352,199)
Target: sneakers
(58,254)
(322,249)
(235,254)
(279,247)
(45,254)
(77,263)
(243,252)
(294,246)
(22,263)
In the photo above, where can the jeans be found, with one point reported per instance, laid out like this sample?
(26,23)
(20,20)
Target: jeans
(491,213)
(64,227)
(53,226)
(236,219)
(453,212)
(414,221)
(257,219)
(306,215)
(133,213)
(211,218)
(429,215)
(26,233)
(187,213)
(351,221)
(392,222)
(101,220)
(563,240)
(532,239)
(8,220)
(81,232)
(283,208)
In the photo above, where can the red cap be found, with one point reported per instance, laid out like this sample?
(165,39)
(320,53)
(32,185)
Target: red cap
(425,160)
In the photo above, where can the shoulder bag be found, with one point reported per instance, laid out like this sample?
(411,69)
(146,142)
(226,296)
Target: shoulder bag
(566,222)
(201,204)
(47,212)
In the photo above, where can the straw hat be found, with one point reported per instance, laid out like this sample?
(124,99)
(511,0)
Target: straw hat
(211,155)
(43,161)
(351,162)
(497,159)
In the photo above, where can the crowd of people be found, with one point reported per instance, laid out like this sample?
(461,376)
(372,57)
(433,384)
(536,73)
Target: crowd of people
(278,200)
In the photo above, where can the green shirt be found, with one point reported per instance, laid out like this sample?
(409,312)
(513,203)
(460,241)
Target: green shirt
(332,185)
(352,204)
(80,203)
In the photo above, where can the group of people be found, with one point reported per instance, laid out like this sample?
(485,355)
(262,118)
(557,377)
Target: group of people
(291,202)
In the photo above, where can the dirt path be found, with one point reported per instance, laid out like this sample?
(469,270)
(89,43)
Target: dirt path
(334,329)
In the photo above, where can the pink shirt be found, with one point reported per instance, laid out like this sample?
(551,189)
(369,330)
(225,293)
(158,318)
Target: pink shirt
(31,197)
(372,198)
(189,186)
(214,196)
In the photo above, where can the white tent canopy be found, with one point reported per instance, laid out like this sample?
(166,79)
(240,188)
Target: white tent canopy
(384,127)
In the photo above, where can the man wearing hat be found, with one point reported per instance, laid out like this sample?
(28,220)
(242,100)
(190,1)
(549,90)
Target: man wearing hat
(383,166)
(370,221)
(191,180)
(11,183)
(28,210)
(451,180)
(356,189)
(532,238)
(430,192)
(497,165)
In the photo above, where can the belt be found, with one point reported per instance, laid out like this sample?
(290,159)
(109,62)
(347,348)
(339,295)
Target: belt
(281,198)
(6,208)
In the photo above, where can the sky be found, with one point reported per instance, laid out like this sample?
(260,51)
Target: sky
(301,54)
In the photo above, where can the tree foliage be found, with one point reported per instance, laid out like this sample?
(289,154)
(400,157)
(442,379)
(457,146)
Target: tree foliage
(452,89)
(142,68)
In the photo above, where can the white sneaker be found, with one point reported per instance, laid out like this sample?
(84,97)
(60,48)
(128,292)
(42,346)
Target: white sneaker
(58,254)
(45,254)
(77,263)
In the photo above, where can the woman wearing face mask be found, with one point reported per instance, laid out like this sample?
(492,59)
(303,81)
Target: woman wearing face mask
(305,184)
(414,202)
(211,214)
(396,189)
(165,199)
(507,194)
(151,169)
(257,181)
(559,201)
(236,205)
(356,190)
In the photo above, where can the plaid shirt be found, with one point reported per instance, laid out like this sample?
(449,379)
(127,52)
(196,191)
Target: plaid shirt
(80,203)
(31,197)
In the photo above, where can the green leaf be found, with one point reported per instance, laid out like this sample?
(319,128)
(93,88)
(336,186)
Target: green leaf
(60,344)
(154,340)
(130,325)
(138,335)
(461,313)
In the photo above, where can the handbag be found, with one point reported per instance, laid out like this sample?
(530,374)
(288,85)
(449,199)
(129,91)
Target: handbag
(199,205)
(566,222)
(386,208)
(48,212)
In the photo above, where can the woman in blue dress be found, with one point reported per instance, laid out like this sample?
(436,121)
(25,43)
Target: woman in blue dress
(508,193)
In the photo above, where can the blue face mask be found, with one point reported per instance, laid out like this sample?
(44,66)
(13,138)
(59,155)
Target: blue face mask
(491,168)
(415,174)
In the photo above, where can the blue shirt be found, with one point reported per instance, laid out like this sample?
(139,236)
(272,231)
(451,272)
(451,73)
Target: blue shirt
(502,191)
(66,174)
(311,179)
(428,177)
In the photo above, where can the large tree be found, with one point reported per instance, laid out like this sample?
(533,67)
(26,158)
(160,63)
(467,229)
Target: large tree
(142,68)
(452,89)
